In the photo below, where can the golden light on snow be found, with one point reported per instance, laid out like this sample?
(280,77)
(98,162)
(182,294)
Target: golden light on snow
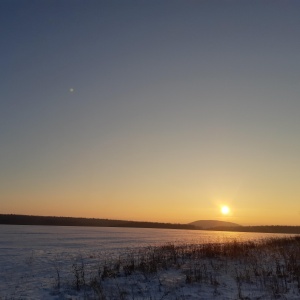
(225,210)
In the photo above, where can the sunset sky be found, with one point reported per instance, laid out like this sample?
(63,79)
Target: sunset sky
(158,110)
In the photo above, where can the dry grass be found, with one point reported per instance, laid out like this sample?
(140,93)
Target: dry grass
(268,268)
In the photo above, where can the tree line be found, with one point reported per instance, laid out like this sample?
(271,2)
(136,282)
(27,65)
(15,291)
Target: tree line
(263,229)
(11,219)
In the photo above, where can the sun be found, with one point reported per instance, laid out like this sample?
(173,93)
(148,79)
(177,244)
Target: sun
(225,210)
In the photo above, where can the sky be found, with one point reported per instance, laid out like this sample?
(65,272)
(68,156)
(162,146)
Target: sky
(151,110)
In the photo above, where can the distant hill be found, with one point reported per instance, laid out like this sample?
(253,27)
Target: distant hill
(211,224)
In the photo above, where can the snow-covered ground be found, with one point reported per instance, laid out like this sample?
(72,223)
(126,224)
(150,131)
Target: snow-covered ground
(74,269)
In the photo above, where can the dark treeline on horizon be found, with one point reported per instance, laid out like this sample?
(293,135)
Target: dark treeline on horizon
(263,229)
(10,219)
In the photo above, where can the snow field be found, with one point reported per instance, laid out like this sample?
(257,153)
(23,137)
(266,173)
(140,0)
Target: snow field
(266,269)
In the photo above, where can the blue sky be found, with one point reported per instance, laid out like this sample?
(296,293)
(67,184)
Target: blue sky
(177,107)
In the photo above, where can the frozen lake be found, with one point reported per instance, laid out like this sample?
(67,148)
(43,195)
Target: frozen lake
(31,252)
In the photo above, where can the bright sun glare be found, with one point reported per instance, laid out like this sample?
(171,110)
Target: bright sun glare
(225,210)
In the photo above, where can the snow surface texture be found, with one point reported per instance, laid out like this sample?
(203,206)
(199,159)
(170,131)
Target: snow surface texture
(245,270)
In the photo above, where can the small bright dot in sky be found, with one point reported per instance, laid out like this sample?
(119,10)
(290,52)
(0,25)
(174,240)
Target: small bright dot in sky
(71,90)
(225,210)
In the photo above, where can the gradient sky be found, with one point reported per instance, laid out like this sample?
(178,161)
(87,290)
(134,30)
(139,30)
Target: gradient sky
(151,110)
